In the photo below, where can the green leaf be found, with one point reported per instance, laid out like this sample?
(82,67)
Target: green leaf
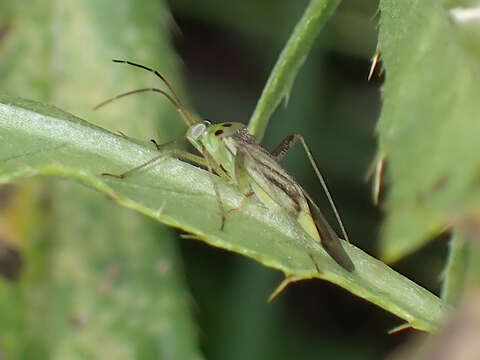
(107,281)
(429,125)
(177,194)
(456,270)
(289,62)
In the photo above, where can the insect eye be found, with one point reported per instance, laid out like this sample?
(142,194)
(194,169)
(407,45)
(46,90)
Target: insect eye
(198,130)
(227,124)
(218,132)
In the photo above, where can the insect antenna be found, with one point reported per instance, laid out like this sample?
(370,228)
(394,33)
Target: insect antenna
(156,72)
(325,187)
(138,91)
(188,118)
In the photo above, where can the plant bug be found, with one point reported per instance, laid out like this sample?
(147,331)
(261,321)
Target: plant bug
(230,151)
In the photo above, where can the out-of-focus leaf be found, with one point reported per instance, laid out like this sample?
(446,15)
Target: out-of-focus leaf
(57,144)
(106,280)
(460,257)
(429,126)
(457,340)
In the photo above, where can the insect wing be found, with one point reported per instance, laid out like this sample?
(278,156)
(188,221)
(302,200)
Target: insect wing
(329,238)
(272,183)
(265,173)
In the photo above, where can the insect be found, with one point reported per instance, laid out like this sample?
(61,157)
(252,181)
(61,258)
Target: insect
(230,151)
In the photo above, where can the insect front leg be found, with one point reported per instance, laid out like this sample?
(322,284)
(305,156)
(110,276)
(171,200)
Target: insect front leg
(179,154)
(135,169)
(241,174)
(212,166)
(241,179)
(282,149)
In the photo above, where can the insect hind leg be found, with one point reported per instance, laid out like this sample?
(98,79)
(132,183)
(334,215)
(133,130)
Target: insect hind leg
(314,262)
(282,149)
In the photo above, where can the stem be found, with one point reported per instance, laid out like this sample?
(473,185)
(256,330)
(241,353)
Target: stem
(289,62)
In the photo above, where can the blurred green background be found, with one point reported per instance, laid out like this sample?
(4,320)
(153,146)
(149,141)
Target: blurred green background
(218,54)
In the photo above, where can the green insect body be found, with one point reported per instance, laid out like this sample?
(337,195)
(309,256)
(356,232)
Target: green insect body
(254,170)
(229,150)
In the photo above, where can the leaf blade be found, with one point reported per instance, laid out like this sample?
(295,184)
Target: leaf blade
(428,128)
(172,192)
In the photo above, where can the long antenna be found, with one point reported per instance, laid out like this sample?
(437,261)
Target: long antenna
(187,117)
(138,91)
(324,185)
(152,71)
(279,152)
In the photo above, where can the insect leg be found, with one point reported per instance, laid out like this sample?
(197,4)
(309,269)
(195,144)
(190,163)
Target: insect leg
(161,146)
(182,155)
(314,262)
(135,169)
(217,169)
(188,157)
(241,175)
(241,179)
(279,152)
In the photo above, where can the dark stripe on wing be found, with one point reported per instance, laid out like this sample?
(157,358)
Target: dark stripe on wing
(329,239)
(292,195)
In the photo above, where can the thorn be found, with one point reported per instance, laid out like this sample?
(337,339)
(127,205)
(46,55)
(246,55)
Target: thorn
(286,99)
(399,328)
(375,59)
(377,179)
(159,211)
(283,285)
